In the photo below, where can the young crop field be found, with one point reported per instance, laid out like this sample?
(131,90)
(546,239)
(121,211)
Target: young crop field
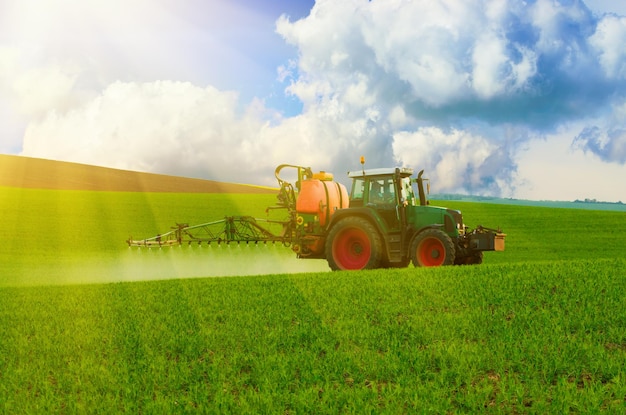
(53,237)
(538,328)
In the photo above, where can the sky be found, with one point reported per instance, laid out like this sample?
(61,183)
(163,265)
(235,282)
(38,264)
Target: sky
(508,98)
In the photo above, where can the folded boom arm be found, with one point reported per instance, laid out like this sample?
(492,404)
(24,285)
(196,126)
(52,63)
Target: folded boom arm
(230,229)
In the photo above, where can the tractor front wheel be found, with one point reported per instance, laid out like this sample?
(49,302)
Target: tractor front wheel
(353,244)
(432,248)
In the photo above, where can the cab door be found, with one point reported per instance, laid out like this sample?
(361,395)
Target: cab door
(383,198)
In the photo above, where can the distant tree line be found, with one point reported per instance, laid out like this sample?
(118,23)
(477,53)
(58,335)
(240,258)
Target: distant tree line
(597,201)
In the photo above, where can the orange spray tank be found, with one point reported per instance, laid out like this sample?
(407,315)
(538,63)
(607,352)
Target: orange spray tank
(319,197)
(313,201)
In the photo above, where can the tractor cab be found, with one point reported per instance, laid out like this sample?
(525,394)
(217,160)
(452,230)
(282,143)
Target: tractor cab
(386,190)
(391,194)
(375,187)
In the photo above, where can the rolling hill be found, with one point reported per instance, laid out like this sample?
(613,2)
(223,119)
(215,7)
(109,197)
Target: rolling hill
(35,173)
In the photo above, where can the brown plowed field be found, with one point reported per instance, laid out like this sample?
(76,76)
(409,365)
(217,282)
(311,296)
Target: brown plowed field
(35,173)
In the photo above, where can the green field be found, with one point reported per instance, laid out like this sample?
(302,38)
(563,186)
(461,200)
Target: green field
(55,237)
(538,328)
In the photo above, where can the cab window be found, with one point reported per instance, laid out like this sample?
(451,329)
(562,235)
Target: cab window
(407,196)
(382,191)
(358,188)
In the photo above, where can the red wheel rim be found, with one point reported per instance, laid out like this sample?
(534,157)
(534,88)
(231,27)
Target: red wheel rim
(431,252)
(352,249)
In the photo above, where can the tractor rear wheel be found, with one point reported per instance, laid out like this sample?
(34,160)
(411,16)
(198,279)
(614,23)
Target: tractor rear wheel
(353,244)
(432,248)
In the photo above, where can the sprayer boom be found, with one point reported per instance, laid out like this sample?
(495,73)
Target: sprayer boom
(230,229)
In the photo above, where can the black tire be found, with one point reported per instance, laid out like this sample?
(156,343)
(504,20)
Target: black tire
(432,248)
(352,244)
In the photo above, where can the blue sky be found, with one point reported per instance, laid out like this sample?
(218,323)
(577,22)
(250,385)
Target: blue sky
(492,97)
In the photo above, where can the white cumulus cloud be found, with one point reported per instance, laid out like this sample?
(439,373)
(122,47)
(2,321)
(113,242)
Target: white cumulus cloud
(460,88)
(459,159)
(610,42)
(437,72)
(159,126)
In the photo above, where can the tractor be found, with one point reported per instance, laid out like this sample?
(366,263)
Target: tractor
(382,223)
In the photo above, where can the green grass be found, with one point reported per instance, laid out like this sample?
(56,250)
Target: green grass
(540,338)
(90,221)
(538,328)
(65,237)
(549,234)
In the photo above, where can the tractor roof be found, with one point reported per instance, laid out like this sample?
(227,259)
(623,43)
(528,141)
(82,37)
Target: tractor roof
(404,172)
